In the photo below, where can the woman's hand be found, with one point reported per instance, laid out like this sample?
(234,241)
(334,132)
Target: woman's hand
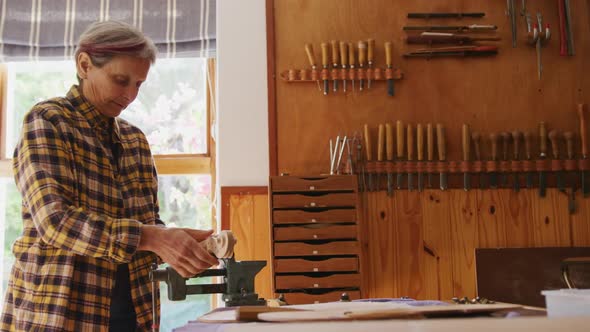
(178,247)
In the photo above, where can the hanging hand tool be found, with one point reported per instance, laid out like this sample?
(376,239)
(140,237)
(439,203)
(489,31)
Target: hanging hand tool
(471,52)
(335,62)
(446,38)
(311,58)
(442,153)
(351,62)
(584,147)
(460,28)
(569,141)
(399,126)
(494,175)
(554,139)
(369,153)
(324,47)
(333,148)
(429,149)
(362,45)
(360,166)
(388,62)
(505,142)
(390,156)
(510,12)
(542,156)
(370,58)
(528,143)
(344,60)
(516,138)
(466,140)
(562,36)
(476,137)
(445,15)
(568,29)
(410,139)
(380,153)
(420,148)
(543,36)
(523,8)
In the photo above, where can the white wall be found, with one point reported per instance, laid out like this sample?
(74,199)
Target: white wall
(242,96)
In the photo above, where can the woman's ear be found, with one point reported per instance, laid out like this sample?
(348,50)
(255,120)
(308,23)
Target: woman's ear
(83,65)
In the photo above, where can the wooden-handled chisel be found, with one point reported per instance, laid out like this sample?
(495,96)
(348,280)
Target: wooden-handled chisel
(466,142)
(335,60)
(542,155)
(389,64)
(528,155)
(369,154)
(457,28)
(312,63)
(380,153)
(389,152)
(505,142)
(429,149)
(442,153)
(516,138)
(324,47)
(351,62)
(445,15)
(445,38)
(362,46)
(420,148)
(370,58)
(410,143)
(476,138)
(584,147)
(554,138)
(400,140)
(344,60)
(494,175)
(569,141)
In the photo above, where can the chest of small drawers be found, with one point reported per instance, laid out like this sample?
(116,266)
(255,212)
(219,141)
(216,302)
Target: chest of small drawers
(315,242)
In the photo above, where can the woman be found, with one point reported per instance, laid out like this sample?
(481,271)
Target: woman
(90,208)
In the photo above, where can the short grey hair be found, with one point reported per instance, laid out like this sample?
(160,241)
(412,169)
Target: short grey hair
(105,40)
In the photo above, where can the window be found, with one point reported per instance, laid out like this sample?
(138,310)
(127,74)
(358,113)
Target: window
(172,109)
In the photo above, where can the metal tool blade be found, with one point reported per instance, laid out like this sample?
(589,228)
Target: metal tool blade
(493,180)
(389,184)
(542,184)
(429,180)
(420,181)
(410,181)
(516,184)
(529,180)
(390,87)
(400,179)
(443,181)
(585,187)
(466,181)
(560,182)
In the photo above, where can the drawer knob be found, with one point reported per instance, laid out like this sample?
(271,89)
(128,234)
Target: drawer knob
(314,220)
(315,252)
(311,187)
(316,285)
(312,204)
(315,236)
(315,269)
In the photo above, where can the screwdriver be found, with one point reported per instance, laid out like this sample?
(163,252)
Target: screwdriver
(312,63)
(362,45)
(351,62)
(344,60)
(370,58)
(324,47)
(335,61)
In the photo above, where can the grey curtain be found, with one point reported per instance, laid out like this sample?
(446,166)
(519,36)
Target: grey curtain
(49,29)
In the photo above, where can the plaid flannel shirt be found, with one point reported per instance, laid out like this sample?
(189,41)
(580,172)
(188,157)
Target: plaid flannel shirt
(81,218)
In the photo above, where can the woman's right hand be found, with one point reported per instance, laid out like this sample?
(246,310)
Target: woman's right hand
(179,247)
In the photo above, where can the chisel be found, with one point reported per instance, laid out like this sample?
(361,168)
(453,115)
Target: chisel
(388,62)
(442,153)
(369,154)
(429,149)
(370,58)
(362,45)
(445,15)
(420,148)
(466,142)
(312,63)
(459,28)
(584,147)
(360,166)
(324,47)
(554,139)
(351,62)
(511,13)
(505,142)
(445,38)
(400,149)
(335,61)
(528,143)
(389,155)
(569,141)
(476,137)
(410,143)
(494,175)
(542,156)
(380,153)
(516,138)
(344,60)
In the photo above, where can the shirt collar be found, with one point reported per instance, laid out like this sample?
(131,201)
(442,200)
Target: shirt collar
(96,120)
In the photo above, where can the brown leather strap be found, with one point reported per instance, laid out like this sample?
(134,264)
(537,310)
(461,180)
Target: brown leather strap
(361,74)
(421,167)
(371,167)
(380,167)
(389,167)
(334,74)
(304,75)
(325,74)
(477,166)
(399,167)
(542,165)
(342,74)
(584,164)
(504,166)
(453,166)
(465,166)
(369,74)
(292,75)
(516,166)
(389,73)
(528,165)
(377,74)
(351,74)
(314,75)
(491,166)
(570,165)
(411,167)
(556,165)
(431,167)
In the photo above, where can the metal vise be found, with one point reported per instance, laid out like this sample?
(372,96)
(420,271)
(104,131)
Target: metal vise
(237,288)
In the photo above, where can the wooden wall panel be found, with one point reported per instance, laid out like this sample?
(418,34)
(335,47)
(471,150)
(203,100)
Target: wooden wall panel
(464,232)
(580,225)
(492,222)
(551,222)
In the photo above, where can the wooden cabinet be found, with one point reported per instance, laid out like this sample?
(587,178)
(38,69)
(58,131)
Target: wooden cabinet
(315,240)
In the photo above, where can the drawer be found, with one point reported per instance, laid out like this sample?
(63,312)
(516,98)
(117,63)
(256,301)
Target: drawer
(315,232)
(313,183)
(311,201)
(304,282)
(300,249)
(303,298)
(348,264)
(306,217)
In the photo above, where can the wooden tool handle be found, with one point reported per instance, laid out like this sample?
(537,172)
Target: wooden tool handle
(554,138)
(569,140)
(465,139)
(368,147)
(420,141)
(494,141)
(528,143)
(324,47)
(335,52)
(542,140)
(429,141)
(410,138)
(344,53)
(388,50)
(362,45)
(380,142)
(310,57)
(476,137)
(351,59)
(583,137)
(400,138)
(371,50)
(505,139)
(516,137)
(441,144)
(389,141)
